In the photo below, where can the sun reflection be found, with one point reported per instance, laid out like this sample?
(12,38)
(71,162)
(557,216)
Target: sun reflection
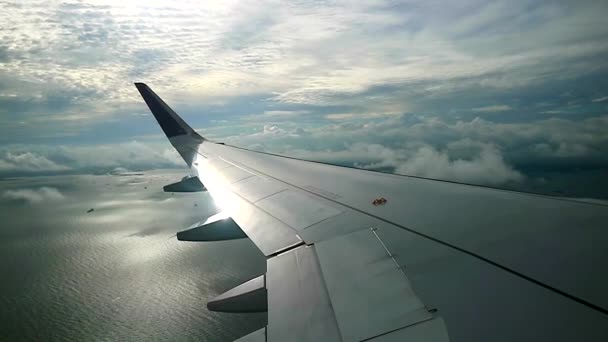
(145,251)
(217,186)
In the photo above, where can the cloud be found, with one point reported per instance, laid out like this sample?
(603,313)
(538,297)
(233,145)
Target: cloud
(366,58)
(476,151)
(33,196)
(412,130)
(488,167)
(132,155)
(600,99)
(484,164)
(343,81)
(492,109)
(591,200)
(28,162)
(41,159)
(279,113)
(350,116)
(274,115)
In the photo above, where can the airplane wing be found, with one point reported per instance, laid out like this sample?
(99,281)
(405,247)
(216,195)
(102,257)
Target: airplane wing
(357,255)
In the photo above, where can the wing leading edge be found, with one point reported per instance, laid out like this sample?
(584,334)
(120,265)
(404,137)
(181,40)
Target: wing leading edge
(436,261)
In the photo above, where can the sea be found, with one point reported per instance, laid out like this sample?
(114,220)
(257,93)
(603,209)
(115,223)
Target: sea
(95,258)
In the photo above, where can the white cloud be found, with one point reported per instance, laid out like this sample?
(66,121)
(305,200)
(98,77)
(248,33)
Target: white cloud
(34,196)
(359,116)
(492,109)
(131,155)
(488,167)
(600,99)
(308,52)
(29,162)
(272,130)
(275,113)
(563,138)
(476,151)
(134,155)
(119,170)
(484,164)
(554,112)
(279,72)
(589,200)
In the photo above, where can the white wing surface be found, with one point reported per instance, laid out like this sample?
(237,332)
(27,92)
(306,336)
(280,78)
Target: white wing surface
(356,255)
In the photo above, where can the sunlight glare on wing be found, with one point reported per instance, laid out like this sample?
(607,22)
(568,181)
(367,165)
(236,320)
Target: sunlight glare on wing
(217,186)
(222,215)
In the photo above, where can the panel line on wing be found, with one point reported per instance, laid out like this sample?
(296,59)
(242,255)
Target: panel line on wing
(399,267)
(323,220)
(272,194)
(394,330)
(235,164)
(242,179)
(286,249)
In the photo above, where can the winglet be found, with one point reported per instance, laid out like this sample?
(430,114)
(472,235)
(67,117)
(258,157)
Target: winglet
(168,120)
(182,137)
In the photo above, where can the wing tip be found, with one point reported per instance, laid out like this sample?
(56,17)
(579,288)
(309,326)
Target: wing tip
(171,123)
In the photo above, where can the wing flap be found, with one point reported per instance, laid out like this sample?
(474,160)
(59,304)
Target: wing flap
(362,277)
(251,296)
(432,330)
(256,336)
(298,304)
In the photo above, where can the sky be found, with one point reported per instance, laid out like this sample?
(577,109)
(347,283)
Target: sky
(510,94)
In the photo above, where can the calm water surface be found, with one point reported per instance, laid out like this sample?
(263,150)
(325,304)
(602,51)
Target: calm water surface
(117,273)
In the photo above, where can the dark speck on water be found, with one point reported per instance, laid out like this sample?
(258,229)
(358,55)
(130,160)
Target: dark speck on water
(90,210)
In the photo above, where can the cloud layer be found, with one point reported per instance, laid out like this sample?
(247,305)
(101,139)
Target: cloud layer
(337,59)
(28,162)
(475,151)
(33,196)
(476,91)
(43,159)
